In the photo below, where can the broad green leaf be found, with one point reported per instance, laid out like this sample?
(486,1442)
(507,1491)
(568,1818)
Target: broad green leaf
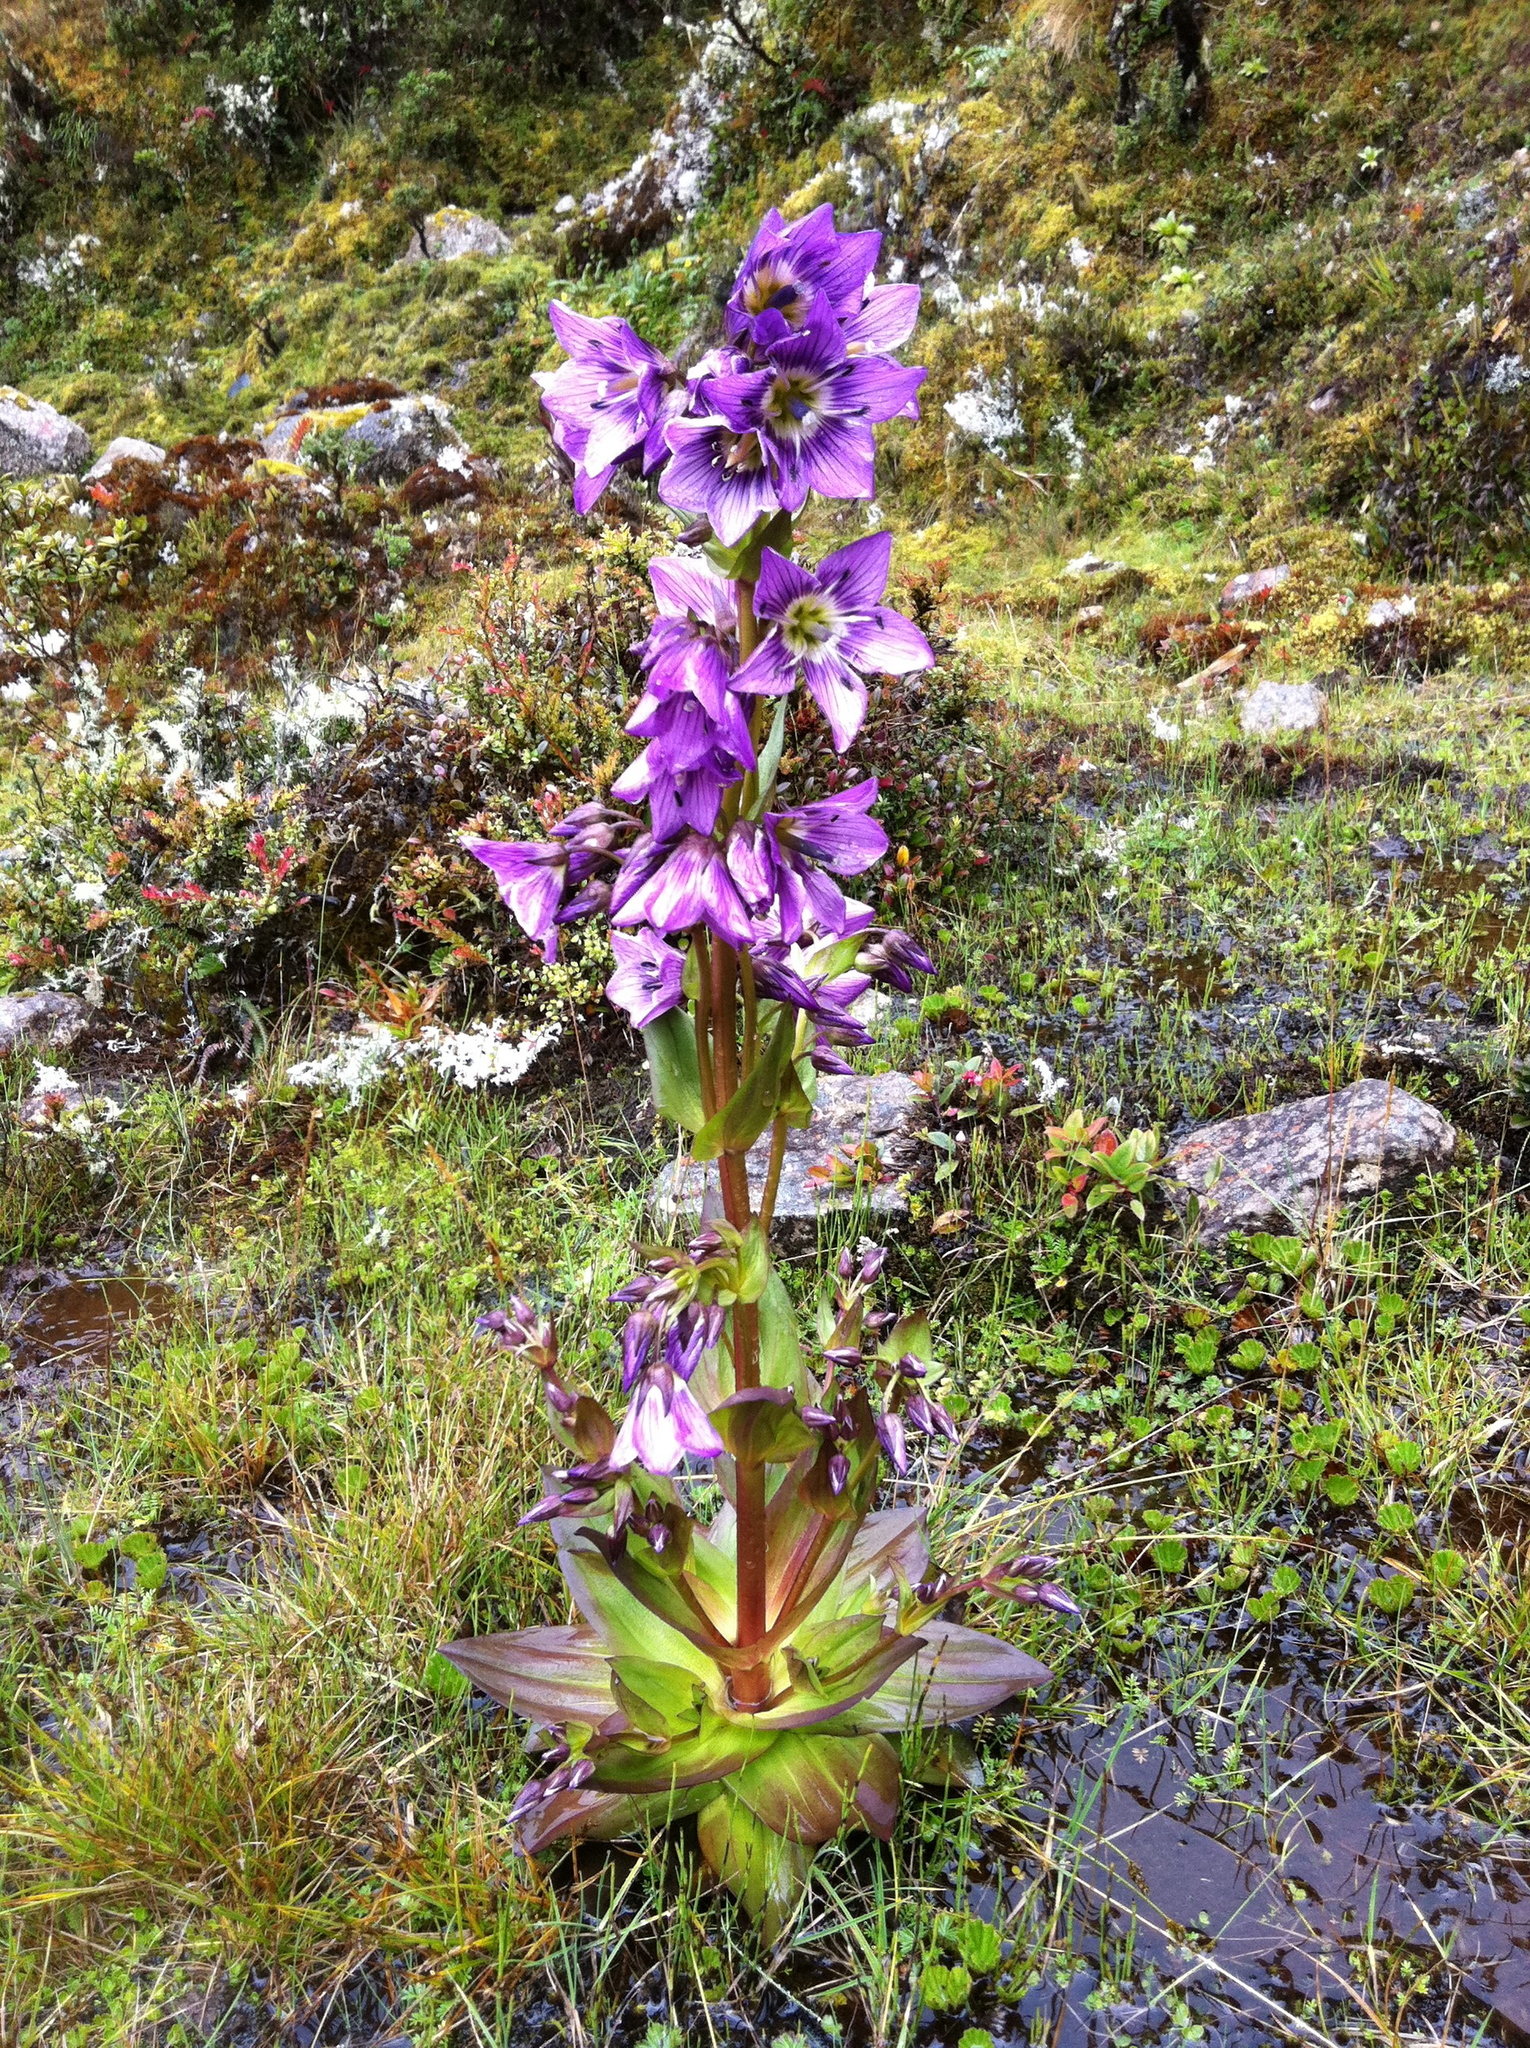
(762,1425)
(1170,1555)
(1404,1457)
(1446,1568)
(90,1556)
(781,1363)
(140,1544)
(1390,1596)
(1285,1580)
(444,1679)
(670,1042)
(1343,1489)
(718,1749)
(910,1334)
(661,1699)
(625,1627)
(740,563)
(945,1987)
(1395,1517)
(152,1568)
(808,1785)
(549,1675)
(766,1874)
(978,1942)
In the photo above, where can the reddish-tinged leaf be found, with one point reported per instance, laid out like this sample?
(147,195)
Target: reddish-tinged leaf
(805,1710)
(890,1545)
(583,1811)
(807,1787)
(958,1672)
(551,1675)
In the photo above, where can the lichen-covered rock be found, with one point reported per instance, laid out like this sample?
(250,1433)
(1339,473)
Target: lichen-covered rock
(44,1018)
(1284,1168)
(384,439)
(1282,707)
(36,440)
(853,1110)
(125,448)
(1255,585)
(452,232)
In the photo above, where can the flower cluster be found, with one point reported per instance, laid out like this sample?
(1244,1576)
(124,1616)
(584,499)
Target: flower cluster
(784,407)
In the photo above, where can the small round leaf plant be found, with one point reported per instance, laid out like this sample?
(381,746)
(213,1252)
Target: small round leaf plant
(745,1665)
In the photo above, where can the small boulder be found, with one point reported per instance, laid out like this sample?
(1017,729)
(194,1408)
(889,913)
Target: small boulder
(389,438)
(36,440)
(43,1018)
(1091,617)
(1282,707)
(1095,565)
(452,231)
(123,449)
(886,1111)
(1254,586)
(1283,1169)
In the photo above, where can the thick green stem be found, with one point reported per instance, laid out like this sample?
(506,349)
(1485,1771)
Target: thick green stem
(773,1175)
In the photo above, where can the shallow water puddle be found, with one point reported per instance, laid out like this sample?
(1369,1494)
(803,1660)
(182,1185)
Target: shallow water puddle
(56,1327)
(1240,1858)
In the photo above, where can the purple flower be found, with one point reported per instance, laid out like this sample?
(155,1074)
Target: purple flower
(648,978)
(789,267)
(609,402)
(719,473)
(833,830)
(885,319)
(813,405)
(690,885)
(826,1002)
(532,880)
(891,1435)
(693,645)
(664,1425)
(690,759)
(830,630)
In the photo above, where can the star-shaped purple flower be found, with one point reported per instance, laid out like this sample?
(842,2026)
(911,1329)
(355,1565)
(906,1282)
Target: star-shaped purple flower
(812,405)
(830,630)
(789,266)
(682,884)
(610,401)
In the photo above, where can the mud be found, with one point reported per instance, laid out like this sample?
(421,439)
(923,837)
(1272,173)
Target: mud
(59,1328)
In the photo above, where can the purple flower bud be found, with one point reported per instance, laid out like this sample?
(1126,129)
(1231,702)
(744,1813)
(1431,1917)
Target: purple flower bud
(817,1418)
(637,1342)
(890,1432)
(846,1264)
(871,1265)
(839,1472)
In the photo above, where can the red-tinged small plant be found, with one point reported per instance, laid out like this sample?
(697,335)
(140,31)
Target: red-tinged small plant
(856,1166)
(748,1668)
(1093,1165)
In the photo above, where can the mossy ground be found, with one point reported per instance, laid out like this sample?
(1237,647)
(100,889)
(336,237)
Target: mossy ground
(244,1790)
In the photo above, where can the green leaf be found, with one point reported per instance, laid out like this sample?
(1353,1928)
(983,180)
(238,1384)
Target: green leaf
(444,1679)
(1395,1517)
(974,2037)
(142,1543)
(1170,1555)
(716,1750)
(766,1874)
(152,1568)
(761,1425)
(780,1346)
(746,1113)
(1404,1457)
(1342,1489)
(1250,1355)
(1286,1255)
(1446,1568)
(661,1699)
(90,1556)
(909,1336)
(770,762)
(978,1942)
(670,1042)
(809,1785)
(945,1987)
(1265,1607)
(1390,1596)
(1285,1580)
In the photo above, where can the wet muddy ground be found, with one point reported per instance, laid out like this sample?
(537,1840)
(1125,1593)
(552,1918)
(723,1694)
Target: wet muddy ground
(56,1330)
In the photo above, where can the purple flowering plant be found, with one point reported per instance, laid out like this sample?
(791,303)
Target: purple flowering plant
(743,1662)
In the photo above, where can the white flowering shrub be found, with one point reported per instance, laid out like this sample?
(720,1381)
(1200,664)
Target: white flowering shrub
(482,1055)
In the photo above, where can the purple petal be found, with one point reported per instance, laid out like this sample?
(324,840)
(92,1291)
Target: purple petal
(886,643)
(857,575)
(886,320)
(840,695)
(781,582)
(879,389)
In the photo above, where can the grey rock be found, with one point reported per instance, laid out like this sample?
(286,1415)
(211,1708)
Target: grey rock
(887,1109)
(125,448)
(44,1019)
(1286,1168)
(1095,565)
(40,1112)
(35,440)
(1282,707)
(1475,208)
(392,437)
(1255,584)
(452,231)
